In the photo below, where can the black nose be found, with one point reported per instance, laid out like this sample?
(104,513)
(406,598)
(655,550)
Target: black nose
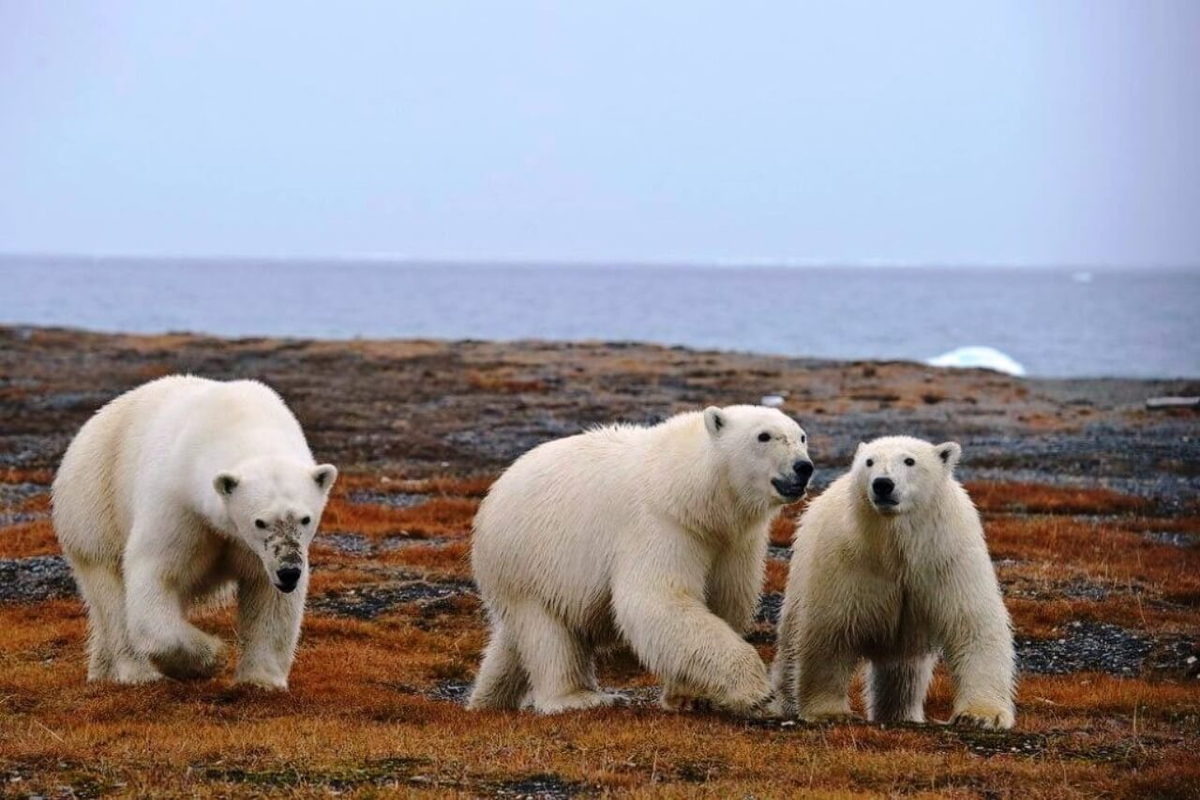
(803,468)
(882,486)
(288,578)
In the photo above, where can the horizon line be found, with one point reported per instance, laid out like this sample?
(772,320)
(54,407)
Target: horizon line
(594,263)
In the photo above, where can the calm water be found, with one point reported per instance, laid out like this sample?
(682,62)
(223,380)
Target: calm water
(1127,323)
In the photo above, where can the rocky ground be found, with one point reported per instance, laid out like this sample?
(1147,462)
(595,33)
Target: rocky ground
(1089,502)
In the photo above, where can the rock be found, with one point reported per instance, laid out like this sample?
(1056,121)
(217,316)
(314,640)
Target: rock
(1159,403)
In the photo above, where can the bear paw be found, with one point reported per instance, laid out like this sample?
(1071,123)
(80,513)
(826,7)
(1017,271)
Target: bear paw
(983,715)
(262,680)
(199,657)
(135,671)
(831,711)
(681,701)
(576,701)
(755,703)
(832,717)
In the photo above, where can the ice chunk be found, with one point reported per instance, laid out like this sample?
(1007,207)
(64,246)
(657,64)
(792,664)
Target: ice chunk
(978,356)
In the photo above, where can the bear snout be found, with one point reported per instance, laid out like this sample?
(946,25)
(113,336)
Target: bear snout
(883,488)
(287,578)
(803,469)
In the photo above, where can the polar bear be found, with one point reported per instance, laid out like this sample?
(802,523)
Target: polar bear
(654,535)
(890,564)
(168,494)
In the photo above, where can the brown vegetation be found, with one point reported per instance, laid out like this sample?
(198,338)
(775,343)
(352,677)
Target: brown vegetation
(375,700)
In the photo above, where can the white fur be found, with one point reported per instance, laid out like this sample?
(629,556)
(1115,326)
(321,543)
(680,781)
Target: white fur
(654,535)
(155,506)
(894,586)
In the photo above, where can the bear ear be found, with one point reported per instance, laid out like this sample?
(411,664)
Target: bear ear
(948,452)
(858,450)
(714,420)
(225,483)
(324,476)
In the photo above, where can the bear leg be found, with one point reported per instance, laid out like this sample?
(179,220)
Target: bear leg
(685,644)
(896,688)
(980,660)
(502,681)
(269,627)
(110,656)
(823,683)
(558,662)
(159,631)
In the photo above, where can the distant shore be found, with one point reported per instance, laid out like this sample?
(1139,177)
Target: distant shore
(1051,322)
(422,406)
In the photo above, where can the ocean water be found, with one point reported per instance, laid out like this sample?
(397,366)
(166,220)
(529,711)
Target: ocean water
(1143,323)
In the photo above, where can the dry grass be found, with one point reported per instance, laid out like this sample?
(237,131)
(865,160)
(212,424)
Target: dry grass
(364,715)
(1035,498)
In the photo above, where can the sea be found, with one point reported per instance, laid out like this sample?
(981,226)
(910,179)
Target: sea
(1047,322)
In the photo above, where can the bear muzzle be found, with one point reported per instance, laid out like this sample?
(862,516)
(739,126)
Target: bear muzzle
(792,487)
(288,578)
(883,494)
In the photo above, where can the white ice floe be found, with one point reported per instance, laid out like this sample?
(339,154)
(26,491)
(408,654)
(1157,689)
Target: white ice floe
(978,356)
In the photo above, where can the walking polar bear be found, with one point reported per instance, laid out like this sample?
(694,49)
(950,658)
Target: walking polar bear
(890,564)
(169,493)
(655,535)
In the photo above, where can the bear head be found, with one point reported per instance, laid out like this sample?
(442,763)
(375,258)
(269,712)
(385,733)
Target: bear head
(763,453)
(896,474)
(275,505)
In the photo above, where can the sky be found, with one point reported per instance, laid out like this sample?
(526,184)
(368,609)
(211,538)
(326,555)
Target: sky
(1008,132)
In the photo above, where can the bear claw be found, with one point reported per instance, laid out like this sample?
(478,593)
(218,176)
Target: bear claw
(998,719)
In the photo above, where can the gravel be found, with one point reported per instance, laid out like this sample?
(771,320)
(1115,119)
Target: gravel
(1104,647)
(390,499)
(543,786)
(369,602)
(32,580)
(769,607)
(1173,538)
(13,493)
(451,691)
(352,543)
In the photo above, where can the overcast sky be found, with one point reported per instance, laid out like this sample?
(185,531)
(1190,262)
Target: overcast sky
(940,132)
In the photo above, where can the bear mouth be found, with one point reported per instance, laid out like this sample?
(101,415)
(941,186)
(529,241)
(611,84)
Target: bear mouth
(885,503)
(791,491)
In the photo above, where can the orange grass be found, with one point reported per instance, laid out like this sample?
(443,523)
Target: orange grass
(439,516)
(1042,499)
(34,538)
(357,720)
(361,717)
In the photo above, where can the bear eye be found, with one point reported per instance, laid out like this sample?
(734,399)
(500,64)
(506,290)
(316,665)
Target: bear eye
(764,437)
(305,520)
(258,523)
(910,462)
(803,438)
(870,462)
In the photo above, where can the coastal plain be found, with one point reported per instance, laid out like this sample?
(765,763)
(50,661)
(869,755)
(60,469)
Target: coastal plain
(1089,503)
